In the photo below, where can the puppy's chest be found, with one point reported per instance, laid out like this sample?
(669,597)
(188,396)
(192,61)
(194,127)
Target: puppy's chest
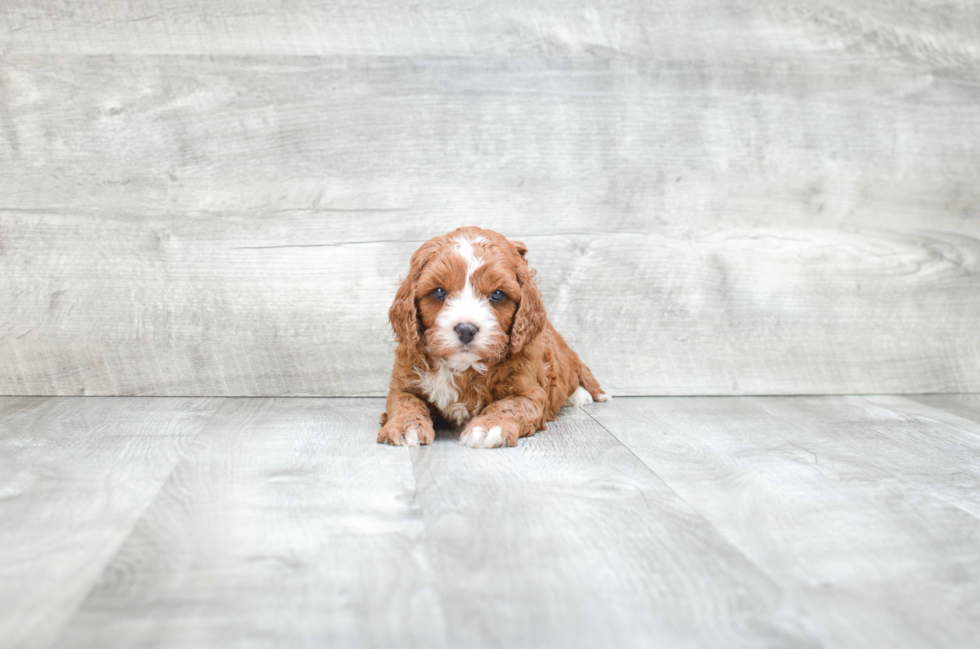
(458,395)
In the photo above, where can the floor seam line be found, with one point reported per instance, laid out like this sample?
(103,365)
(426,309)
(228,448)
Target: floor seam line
(971,433)
(786,590)
(129,534)
(918,486)
(921,488)
(437,586)
(679,496)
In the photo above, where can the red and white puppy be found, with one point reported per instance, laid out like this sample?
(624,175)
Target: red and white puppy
(475,347)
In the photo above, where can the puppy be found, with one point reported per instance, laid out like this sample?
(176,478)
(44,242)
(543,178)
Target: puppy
(475,347)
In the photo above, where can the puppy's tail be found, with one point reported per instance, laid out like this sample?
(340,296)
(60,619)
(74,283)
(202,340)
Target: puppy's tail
(587,381)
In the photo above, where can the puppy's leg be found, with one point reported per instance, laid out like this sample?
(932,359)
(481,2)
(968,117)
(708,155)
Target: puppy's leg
(406,421)
(580,397)
(503,421)
(587,381)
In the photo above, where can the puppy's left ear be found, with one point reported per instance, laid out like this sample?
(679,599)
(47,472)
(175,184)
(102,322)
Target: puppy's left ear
(531,316)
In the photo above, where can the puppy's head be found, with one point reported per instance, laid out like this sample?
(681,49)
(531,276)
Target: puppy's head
(469,297)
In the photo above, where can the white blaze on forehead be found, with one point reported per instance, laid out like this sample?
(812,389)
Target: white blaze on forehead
(464,247)
(467,306)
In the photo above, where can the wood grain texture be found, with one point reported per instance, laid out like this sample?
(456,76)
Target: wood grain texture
(285,526)
(961,405)
(763,198)
(682,522)
(569,541)
(75,476)
(919,445)
(178,310)
(943,33)
(836,499)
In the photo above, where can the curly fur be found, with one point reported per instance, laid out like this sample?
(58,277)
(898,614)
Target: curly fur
(515,375)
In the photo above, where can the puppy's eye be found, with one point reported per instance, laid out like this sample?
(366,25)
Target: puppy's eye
(497,296)
(439,293)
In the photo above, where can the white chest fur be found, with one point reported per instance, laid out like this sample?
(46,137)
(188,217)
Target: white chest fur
(441,389)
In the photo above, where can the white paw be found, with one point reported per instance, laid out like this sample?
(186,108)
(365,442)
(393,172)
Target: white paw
(473,437)
(477,437)
(603,397)
(410,436)
(580,397)
(495,438)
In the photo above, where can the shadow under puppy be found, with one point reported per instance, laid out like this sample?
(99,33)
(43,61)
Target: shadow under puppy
(475,347)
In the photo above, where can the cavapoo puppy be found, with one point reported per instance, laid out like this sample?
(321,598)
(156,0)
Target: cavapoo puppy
(475,347)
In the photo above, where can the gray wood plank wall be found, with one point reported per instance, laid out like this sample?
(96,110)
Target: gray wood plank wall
(721,198)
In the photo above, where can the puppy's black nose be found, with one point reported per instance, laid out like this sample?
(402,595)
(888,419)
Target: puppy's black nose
(466,331)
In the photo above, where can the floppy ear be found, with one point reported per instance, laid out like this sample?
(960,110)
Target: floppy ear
(531,316)
(404,314)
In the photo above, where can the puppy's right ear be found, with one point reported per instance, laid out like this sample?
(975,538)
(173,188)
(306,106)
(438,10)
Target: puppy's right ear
(404,314)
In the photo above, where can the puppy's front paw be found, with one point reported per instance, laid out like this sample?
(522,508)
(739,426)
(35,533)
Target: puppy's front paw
(487,435)
(401,433)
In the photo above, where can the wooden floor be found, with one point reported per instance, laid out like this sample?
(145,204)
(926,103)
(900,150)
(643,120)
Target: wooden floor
(849,521)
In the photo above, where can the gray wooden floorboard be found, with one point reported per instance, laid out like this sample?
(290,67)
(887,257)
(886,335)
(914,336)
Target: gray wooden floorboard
(682,522)
(75,476)
(569,541)
(286,525)
(961,405)
(917,444)
(836,499)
